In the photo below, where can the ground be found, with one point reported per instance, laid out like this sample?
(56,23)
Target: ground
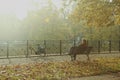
(110,76)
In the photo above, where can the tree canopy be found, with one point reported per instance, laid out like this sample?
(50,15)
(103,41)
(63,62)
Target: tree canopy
(97,12)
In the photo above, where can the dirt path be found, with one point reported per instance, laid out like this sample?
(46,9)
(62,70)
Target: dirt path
(53,58)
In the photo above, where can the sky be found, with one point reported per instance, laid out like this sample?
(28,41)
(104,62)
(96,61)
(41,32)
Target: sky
(21,7)
(17,7)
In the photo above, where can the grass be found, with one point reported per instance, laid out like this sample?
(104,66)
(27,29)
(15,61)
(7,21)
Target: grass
(59,70)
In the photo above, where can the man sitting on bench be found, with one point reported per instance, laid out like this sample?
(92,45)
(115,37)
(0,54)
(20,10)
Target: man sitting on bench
(84,44)
(83,48)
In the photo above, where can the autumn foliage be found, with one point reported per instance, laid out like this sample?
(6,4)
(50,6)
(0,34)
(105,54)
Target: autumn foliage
(97,13)
(59,70)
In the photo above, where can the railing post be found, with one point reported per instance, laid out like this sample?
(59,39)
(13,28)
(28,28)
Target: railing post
(27,49)
(109,46)
(119,45)
(45,47)
(60,47)
(7,49)
(98,46)
(74,43)
(119,38)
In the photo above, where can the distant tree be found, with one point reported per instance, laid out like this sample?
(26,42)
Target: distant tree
(46,23)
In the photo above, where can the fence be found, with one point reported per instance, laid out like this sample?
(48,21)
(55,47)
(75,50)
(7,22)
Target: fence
(105,46)
(9,49)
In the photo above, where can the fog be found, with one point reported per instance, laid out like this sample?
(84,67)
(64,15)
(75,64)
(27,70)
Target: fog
(9,27)
(46,20)
(33,20)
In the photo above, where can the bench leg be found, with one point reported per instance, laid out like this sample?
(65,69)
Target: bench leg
(73,57)
(88,58)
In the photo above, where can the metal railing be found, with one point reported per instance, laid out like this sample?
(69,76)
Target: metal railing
(28,48)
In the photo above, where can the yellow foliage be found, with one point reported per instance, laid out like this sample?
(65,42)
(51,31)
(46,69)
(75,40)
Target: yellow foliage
(117,19)
(97,12)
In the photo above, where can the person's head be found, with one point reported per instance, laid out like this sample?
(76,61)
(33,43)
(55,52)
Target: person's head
(84,41)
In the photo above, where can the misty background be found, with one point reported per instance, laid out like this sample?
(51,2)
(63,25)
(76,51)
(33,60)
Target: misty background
(46,20)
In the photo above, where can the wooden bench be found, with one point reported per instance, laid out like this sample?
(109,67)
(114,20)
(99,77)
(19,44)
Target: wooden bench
(79,50)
